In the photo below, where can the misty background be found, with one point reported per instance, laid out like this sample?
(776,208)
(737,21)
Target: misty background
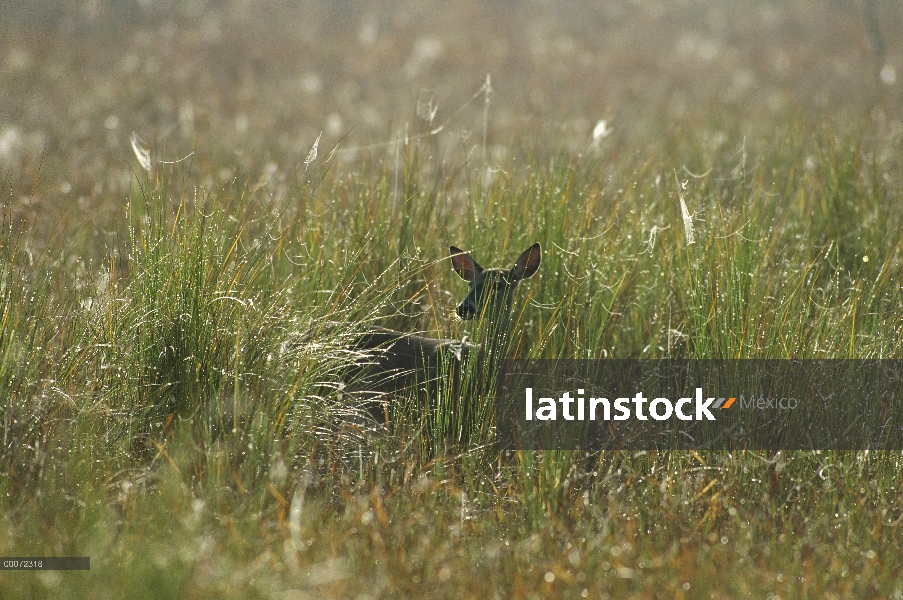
(256,82)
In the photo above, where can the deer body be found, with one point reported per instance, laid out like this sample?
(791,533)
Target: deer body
(396,361)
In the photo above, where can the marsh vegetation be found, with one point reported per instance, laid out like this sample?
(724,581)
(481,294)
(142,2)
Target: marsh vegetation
(174,325)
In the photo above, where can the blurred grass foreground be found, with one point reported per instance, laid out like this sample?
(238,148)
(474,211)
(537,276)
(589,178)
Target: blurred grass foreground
(203,202)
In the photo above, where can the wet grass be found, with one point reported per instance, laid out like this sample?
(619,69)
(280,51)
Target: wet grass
(171,406)
(173,338)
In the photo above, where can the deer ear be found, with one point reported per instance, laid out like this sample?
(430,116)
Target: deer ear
(466,267)
(527,263)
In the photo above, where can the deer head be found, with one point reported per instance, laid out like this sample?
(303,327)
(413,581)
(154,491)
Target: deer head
(492,290)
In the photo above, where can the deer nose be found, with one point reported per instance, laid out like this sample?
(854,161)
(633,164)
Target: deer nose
(466,310)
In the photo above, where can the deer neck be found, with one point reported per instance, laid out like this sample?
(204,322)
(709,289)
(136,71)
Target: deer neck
(494,333)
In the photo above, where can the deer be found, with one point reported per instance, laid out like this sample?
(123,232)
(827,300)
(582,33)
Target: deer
(396,361)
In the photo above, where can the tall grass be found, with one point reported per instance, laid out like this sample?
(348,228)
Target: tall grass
(174,406)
